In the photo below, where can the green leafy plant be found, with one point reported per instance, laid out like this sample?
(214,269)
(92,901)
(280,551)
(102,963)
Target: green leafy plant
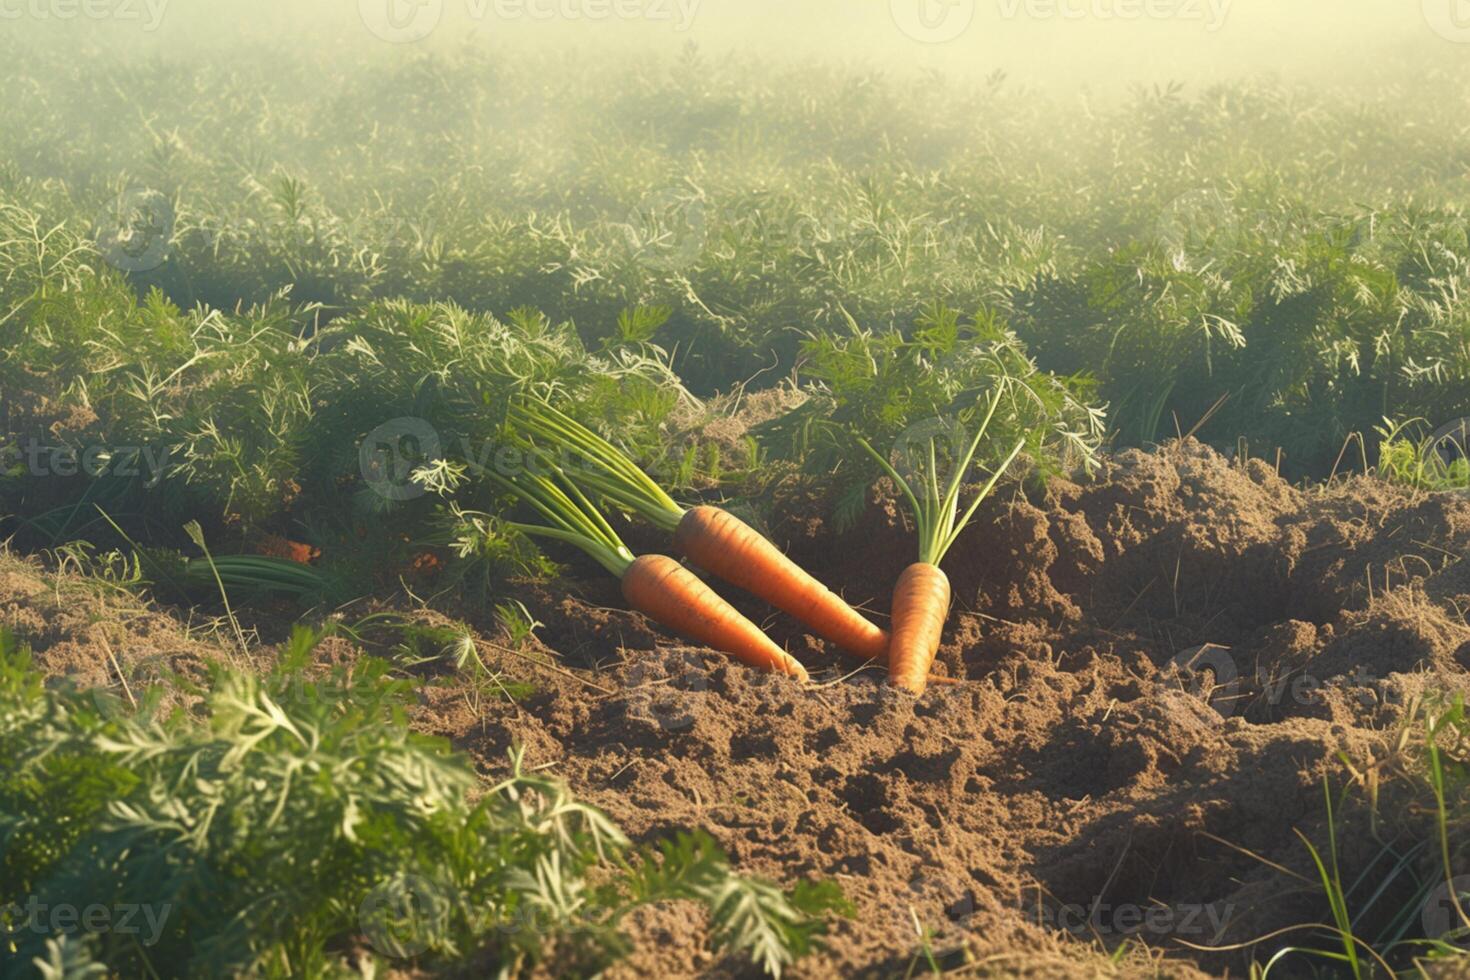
(884,383)
(519,625)
(291,810)
(1422,461)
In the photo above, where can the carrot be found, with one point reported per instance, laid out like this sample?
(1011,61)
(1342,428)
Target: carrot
(724,545)
(921,598)
(920,607)
(655,585)
(275,546)
(666,591)
(711,538)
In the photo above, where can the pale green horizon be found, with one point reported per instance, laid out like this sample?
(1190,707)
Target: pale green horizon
(1044,43)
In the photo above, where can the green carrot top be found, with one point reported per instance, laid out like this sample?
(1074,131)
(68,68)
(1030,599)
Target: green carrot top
(937,514)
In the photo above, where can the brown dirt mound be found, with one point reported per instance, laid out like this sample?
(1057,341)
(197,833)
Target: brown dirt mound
(1161,664)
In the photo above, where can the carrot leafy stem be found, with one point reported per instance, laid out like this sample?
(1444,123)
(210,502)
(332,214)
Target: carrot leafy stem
(936,513)
(601,466)
(573,518)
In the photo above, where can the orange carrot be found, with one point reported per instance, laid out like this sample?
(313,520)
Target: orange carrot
(922,596)
(668,592)
(722,544)
(920,607)
(655,585)
(275,546)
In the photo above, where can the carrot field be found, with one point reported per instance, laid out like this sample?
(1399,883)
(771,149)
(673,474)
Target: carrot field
(694,511)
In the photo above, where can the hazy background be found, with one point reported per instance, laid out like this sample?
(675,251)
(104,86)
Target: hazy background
(1174,200)
(1044,42)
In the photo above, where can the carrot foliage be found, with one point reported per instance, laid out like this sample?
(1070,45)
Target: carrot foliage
(573,518)
(600,465)
(289,813)
(936,513)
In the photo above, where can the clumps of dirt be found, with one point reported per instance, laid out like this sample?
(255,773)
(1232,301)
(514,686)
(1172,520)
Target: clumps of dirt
(1184,535)
(1161,665)
(1399,633)
(99,636)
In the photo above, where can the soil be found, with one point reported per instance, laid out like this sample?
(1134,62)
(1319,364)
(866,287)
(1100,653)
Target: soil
(95,634)
(1158,667)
